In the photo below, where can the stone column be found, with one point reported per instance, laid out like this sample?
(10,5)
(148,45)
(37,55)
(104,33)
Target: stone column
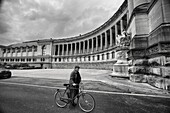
(106,43)
(75,48)
(92,43)
(88,46)
(79,47)
(21,52)
(97,43)
(121,25)
(71,49)
(84,46)
(33,48)
(59,50)
(27,51)
(110,55)
(101,42)
(67,53)
(11,52)
(53,49)
(63,49)
(115,30)
(111,38)
(15,52)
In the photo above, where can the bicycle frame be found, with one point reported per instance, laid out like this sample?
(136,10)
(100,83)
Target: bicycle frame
(85,100)
(68,100)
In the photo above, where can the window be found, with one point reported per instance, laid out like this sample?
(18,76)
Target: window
(13,50)
(93,58)
(107,55)
(23,60)
(98,57)
(102,56)
(43,50)
(89,58)
(84,58)
(29,49)
(24,49)
(59,59)
(34,59)
(35,48)
(18,50)
(64,59)
(113,55)
(55,59)
(4,50)
(8,50)
(42,59)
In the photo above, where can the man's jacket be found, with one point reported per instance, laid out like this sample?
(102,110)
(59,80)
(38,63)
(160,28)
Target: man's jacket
(75,77)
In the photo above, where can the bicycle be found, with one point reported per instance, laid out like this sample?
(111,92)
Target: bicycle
(85,100)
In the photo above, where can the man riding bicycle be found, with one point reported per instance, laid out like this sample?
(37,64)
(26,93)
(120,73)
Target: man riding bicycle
(74,82)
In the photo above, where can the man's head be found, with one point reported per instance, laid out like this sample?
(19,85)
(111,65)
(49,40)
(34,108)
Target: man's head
(76,68)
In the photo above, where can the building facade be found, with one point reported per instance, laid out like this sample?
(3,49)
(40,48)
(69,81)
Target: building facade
(139,32)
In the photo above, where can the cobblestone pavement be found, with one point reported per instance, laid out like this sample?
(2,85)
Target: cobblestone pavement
(17,98)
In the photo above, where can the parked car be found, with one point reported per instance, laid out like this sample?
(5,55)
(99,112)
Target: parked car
(9,67)
(5,73)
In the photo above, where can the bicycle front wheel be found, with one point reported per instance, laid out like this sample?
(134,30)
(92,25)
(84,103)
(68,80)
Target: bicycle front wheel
(86,102)
(58,98)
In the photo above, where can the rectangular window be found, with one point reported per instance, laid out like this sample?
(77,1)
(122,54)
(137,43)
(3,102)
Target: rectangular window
(98,57)
(102,56)
(84,58)
(55,59)
(108,55)
(113,55)
(89,58)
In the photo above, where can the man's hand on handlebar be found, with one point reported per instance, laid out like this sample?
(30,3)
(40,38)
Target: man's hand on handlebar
(74,84)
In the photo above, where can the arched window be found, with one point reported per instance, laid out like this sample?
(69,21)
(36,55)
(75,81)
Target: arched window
(43,50)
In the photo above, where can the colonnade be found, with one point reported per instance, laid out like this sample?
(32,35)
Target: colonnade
(99,42)
(22,51)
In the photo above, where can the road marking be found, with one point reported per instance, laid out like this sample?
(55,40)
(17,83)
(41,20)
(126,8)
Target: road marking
(93,91)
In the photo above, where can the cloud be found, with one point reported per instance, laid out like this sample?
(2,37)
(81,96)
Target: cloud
(23,20)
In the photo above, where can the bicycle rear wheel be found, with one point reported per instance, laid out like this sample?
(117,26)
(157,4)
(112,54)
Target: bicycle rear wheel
(58,98)
(86,102)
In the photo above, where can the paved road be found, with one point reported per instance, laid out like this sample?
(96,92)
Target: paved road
(91,75)
(30,99)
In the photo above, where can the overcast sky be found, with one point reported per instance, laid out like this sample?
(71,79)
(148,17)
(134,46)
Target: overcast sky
(25,20)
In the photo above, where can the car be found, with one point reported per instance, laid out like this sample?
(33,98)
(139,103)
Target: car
(5,73)
(8,67)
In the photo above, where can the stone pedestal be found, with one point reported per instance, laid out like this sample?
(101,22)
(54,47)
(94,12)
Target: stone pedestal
(120,69)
